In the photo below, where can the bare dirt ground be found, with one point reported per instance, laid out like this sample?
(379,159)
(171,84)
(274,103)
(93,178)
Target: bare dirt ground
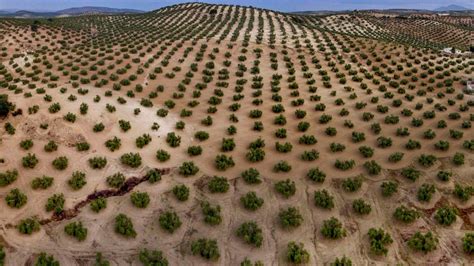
(51,238)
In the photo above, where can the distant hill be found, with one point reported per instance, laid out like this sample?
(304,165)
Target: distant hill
(451,8)
(30,14)
(75,11)
(95,10)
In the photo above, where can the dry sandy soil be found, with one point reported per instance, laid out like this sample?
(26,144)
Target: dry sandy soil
(289,46)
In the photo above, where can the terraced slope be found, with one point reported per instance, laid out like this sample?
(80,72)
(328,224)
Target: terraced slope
(224,134)
(429,31)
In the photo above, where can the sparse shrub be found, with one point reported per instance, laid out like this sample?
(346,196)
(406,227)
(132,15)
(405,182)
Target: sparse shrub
(413,144)
(162,155)
(173,140)
(15,198)
(251,233)
(206,248)
(384,142)
(140,199)
(290,217)
(284,148)
(153,176)
(98,204)
(116,180)
(331,131)
(181,192)
(251,176)
(255,155)
(344,261)
(361,207)
(46,260)
(323,199)
(8,177)
(143,140)
(337,147)
(316,175)
(55,203)
(60,163)
(125,125)
(201,135)
(358,136)
(427,160)
(251,201)
(307,140)
(247,262)
(344,165)
(26,144)
(379,239)
(423,242)
(257,144)
(352,184)
(389,188)
(463,193)
(231,130)
(82,146)
(468,243)
(227,144)
(282,166)
(332,228)
(133,160)
(286,187)
(70,117)
(152,258)
(469,144)
(43,182)
(207,121)
(411,173)
(303,126)
(396,157)
(444,175)
(28,226)
(76,230)
(425,192)
(188,169)
(223,162)
(5,105)
(218,184)
(310,155)
(30,161)
(212,214)
(429,134)
(442,145)
(54,108)
(458,158)
(405,214)
(97,162)
(297,254)
(169,221)
(445,215)
(372,167)
(98,127)
(194,150)
(324,119)
(51,146)
(124,226)
(366,151)
(77,180)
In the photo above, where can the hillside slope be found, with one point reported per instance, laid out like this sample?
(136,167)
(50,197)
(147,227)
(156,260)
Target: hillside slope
(217,134)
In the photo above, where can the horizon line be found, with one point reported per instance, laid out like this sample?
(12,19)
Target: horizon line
(191,2)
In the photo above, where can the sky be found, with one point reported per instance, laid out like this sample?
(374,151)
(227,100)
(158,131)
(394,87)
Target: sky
(280,5)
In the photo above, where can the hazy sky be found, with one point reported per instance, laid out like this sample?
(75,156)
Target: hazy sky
(282,5)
